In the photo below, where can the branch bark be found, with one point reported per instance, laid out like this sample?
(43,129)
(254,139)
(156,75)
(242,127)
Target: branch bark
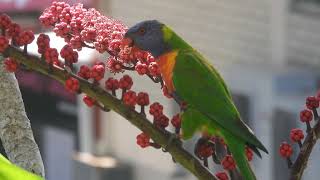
(300,163)
(159,136)
(15,129)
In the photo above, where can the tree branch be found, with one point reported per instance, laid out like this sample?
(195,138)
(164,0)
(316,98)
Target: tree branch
(159,136)
(300,163)
(15,129)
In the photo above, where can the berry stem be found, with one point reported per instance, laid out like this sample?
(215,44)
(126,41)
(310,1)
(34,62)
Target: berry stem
(300,144)
(205,162)
(308,127)
(289,162)
(143,111)
(315,114)
(25,49)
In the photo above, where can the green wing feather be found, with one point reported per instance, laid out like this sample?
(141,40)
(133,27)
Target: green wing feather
(199,84)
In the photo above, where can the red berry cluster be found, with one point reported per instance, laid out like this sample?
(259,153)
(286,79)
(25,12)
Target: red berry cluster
(5,21)
(143,99)
(89,101)
(11,64)
(112,84)
(4,43)
(125,82)
(306,116)
(97,71)
(43,42)
(222,175)
(69,55)
(296,135)
(72,85)
(13,30)
(161,121)
(312,102)
(84,72)
(143,140)
(24,38)
(204,149)
(228,163)
(285,150)
(130,98)
(51,55)
(176,121)
(156,109)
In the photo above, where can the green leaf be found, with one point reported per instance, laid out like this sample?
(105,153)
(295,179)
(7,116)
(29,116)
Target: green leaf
(10,171)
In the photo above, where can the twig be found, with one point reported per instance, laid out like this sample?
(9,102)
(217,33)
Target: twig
(159,136)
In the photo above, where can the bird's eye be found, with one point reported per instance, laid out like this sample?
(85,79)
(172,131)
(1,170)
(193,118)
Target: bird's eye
(142,31)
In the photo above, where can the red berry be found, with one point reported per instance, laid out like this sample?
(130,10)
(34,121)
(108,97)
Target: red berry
(72,85)
(222,175)
(76,43)
(161,121)
(62,29)
(125,82)
(24,38)
(4,43)
(285,150)
(141,68)
(176,121)
(228,163)
(89,101)
(296,135)
(51,55)
(312,102)
(143,140)
(69,55)
(112,84)
(143,99)
(43,42)
(113,65)
(89,34)
(154,69)
(13,30)
(204,150)
(5,21)
(97,72)
(130,98)
(306,115)
(11,64)
(156,109)
(249,153)
(166,92)
(84,72)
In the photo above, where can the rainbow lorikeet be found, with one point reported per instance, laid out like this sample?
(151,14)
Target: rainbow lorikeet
(10,171)
(190,78)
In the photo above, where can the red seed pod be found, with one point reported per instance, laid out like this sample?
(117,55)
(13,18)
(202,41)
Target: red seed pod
(126,82)
(5,21)
(113,65)
(76,43)
(69,55)
(228,163)
(84,72)
(143,140)
(24,38)
(312,102)
(89,101)
(166,92)
(285,150)
(11,64)
(13,30)
(72,85)
(296,135)
(249,153)
(161,121)
(4,43)
(141,68)
(176,121)
(112,84)
(306,115)
(130,98)
(51,55)
(97,71)
(204,150)
(154,69)
(156,109)
(143,99)
(222,175)
(43,42)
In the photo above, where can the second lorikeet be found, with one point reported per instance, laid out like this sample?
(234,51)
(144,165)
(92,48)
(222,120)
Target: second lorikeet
(190,78)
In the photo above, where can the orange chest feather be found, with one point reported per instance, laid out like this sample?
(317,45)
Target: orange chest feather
(166,63)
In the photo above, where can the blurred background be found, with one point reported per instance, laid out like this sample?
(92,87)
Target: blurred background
(266,50)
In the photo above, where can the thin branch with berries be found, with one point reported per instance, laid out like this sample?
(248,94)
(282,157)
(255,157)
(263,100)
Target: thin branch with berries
(298,166)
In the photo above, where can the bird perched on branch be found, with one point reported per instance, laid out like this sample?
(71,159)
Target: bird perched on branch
(190,78)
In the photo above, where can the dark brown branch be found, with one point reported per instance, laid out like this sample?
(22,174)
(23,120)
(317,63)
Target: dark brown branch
(300,163)
(159,136)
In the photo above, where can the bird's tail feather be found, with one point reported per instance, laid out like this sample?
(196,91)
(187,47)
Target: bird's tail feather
(238,152)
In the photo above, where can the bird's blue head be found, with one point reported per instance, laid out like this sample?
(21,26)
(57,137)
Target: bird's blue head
(148,35)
